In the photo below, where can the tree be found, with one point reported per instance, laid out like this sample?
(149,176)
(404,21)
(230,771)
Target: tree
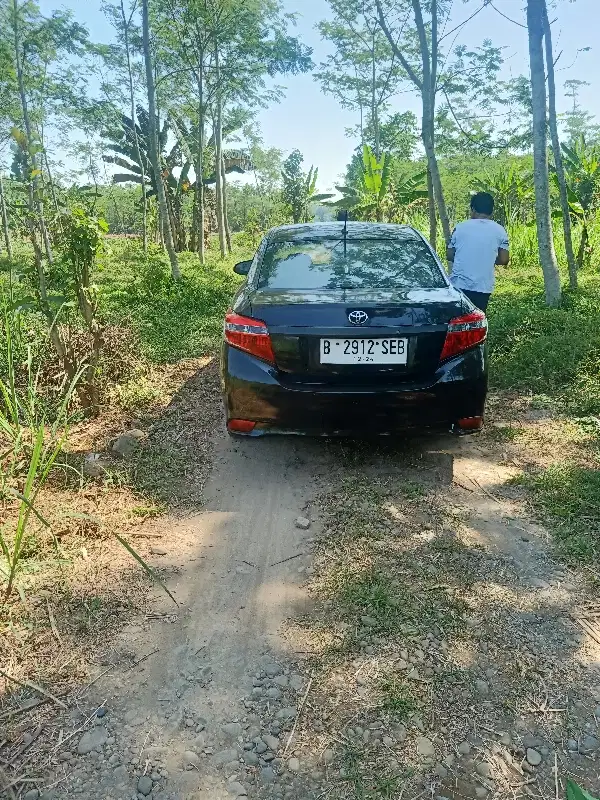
(577,121)
(375,197)
(412,28)
(154,148)
(582,174)
(536,14)
(299,188)
(558,162)
(363,71)
(123,21)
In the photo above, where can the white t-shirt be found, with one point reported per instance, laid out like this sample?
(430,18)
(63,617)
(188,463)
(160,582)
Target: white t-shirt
(476,242)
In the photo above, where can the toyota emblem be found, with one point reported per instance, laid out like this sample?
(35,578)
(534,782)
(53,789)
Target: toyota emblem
(358,317)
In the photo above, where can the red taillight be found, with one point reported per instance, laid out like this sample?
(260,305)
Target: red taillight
(470,423)
(241,425)
(249,335)
(463,333)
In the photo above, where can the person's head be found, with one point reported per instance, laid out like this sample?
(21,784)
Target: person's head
(482,205)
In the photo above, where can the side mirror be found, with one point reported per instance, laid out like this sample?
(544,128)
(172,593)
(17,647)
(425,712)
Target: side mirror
(243,268)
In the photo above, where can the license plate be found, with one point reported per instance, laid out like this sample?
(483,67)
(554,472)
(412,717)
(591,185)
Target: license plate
(364,351)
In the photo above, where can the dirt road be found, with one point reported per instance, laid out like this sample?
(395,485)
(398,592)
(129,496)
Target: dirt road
(434,656)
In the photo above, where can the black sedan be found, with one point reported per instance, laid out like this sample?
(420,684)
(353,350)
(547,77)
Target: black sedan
(351,328)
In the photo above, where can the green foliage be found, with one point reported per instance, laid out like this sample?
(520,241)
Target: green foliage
(575,792)
(171,321)
(569,497)
(376,197)
(299,188)
(512,190)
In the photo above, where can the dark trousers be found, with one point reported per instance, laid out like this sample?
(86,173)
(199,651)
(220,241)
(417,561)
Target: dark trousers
(479,299)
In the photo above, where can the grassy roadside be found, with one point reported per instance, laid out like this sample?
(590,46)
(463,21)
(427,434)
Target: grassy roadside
(158,375)
(546,369)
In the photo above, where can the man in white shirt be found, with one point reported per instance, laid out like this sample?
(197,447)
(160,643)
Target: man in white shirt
(476,246)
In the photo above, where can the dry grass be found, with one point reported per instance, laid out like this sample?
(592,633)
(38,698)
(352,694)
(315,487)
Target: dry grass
(79,586)
(420,631)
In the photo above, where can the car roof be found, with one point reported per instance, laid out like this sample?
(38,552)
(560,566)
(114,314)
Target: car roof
(356,230)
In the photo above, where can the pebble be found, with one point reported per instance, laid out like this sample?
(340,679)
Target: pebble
(328,756)
(370,622)
(273,693)
(267,775)
(294,765)
(590,743)
(303,523)
(484,770)
(440,772)
(287,713)
(271,670)
(533,757)
(224,757)
(281,680)
(191,759)
(572,745)
(237,789)
(425,747)
(232,729)
(92,740)
(158,551)
(272,742)
(464,748)
(144,785)
(261,747)
(296,682)
(251,759)
(482,687)
(32,794)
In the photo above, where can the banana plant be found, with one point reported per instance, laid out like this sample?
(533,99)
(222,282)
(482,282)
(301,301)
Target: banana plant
(377,195)
(512,190)
(582,174)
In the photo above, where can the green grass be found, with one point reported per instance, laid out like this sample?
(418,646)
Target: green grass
(397,699)
(551,353)
(568,497)
(171,320)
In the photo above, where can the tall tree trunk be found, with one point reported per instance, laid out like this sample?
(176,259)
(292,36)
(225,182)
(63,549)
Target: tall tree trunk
(218,128)
(374,112)
(428,87)
(558,161)
(432,214)
(200,166)
(225,213)
(535,27)
(4,213)
(136,143)
(154,150)
(582,245)
(36,202)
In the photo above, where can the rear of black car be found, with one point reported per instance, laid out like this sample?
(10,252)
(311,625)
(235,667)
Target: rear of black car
(356,331)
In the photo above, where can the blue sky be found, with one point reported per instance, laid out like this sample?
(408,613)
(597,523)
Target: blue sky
(314,123)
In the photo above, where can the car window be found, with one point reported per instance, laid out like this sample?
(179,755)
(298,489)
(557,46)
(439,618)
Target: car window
(405,263)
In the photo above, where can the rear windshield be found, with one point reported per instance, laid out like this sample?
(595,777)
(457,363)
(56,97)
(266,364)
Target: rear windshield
(368,264)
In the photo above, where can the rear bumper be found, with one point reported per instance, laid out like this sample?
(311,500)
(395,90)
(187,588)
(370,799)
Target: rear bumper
(255,391)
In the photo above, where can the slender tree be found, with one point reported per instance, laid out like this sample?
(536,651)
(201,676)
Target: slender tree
(536,12)
(126,25)
(557,153)
(4,214)
(165,223)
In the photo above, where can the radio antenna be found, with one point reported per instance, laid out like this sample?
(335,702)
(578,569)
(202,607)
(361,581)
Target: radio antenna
(343,216)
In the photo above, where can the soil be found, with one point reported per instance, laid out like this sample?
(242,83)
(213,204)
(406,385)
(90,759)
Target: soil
(351,620)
